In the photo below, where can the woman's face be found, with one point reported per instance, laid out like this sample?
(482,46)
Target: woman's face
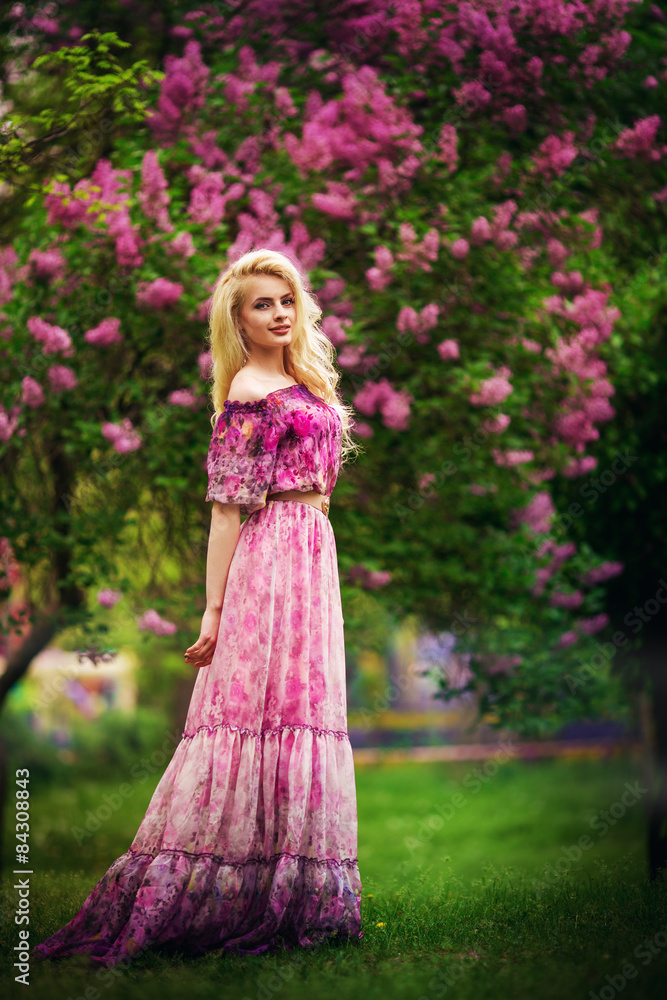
(268,314)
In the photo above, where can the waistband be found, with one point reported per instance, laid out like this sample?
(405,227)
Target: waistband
(301,495)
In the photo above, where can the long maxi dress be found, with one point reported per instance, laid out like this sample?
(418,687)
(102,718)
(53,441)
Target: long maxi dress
(250,838)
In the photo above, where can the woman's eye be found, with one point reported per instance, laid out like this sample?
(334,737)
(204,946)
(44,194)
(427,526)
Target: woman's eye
(287,302)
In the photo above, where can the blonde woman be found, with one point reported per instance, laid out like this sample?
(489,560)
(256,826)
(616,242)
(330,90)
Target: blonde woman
(250,838)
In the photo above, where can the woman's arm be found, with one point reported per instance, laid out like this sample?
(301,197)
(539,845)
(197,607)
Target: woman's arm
(222,539)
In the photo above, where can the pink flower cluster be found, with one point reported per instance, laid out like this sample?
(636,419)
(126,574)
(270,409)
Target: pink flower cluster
(561,599)
(334,329)
(108,598)
(447,147)
(261,226)
(591,625)
(330,297)
(513,456)
(368,578)
(497,231)
(9,421)
(393,405)
(591,215)
(153,196)
(554,155)
(579,466)
(105,333)
(32,393)
(537,513)
(503,664)
(418,253)
(560,553)
(492,390)
(567,639)
(124,436)
(8,272)
(101,197)
(183,92)
(53,338)
(339,201)
(426,480)
(354,356)
(208,199)
(49,265)
(418,323)
(476,41)
(362,127)
(61,378)
(589,403)
(496,425)
(568,283)
(205,364)
(515,118)
(598,574)
(152,622)
(639,142)
(240,85)
(158,294)
(182,245)
(380,276)
(184,397)
(449,350)
(362,429)
(472,94)
(459,248)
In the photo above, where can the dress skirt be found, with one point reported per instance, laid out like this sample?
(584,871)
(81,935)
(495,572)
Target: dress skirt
(250,838)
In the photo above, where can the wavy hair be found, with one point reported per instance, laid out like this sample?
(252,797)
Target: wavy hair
(309,358)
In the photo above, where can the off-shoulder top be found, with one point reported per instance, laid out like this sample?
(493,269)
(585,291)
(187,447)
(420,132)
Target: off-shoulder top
(289,440)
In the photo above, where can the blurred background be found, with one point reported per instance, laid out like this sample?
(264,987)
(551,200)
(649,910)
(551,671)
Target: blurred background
(476,195)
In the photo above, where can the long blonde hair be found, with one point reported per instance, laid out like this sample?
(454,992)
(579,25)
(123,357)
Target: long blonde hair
(309,358)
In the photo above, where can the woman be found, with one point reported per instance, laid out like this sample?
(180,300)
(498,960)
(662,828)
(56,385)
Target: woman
(250,837)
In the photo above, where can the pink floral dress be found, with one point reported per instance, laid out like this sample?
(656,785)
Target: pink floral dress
(250,838)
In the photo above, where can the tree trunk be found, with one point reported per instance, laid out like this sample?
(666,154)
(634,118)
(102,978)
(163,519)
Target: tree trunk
(657,822)
(3,795)
(67,596)
(21,658)
(17,665)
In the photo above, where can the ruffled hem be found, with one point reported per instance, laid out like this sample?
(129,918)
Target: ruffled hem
(264,401)
(340,734)
(230,794)
(201,903)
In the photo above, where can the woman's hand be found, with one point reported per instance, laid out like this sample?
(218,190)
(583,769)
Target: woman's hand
(201,652)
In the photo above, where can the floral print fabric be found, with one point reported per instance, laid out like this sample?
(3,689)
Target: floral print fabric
(250,837)
(290,440)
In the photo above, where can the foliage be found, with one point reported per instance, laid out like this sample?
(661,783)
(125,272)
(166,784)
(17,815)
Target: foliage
(446,187)
(95,94)
(111,744)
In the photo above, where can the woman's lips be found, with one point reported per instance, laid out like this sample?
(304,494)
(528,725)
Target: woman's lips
(279,329)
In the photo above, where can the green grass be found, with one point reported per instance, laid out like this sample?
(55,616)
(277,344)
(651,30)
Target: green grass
(469,897)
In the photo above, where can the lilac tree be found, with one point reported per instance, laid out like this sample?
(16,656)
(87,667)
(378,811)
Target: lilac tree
(431,167)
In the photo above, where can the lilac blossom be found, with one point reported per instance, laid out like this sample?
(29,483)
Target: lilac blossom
(151,621)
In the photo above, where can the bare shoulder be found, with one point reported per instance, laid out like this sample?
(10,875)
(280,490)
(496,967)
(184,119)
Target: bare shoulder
(246,388)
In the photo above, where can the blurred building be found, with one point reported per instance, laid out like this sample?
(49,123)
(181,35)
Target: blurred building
(392,700)
(61,686)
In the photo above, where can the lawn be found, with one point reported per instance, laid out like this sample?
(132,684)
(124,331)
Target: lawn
(506,880)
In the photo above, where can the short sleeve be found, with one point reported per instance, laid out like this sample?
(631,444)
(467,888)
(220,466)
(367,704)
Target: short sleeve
(242,453)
